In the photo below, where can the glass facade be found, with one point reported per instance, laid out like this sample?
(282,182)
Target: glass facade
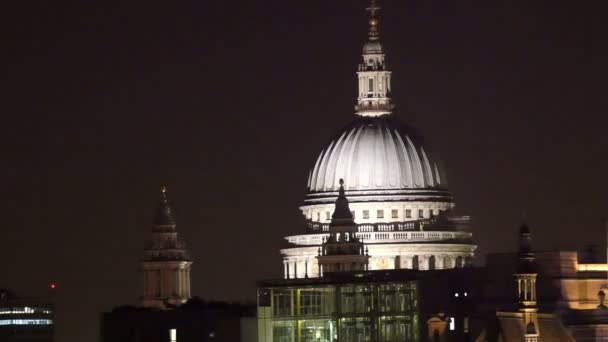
(339,313)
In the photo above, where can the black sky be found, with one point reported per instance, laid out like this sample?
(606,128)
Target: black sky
(230,102)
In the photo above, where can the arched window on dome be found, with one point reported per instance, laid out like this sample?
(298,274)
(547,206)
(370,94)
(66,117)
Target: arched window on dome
(459,261)
(432,262)
(415,263)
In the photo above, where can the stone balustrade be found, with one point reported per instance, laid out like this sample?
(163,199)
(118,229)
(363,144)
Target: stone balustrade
(389,236)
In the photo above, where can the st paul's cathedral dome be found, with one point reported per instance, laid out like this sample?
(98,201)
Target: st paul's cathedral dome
(396,188)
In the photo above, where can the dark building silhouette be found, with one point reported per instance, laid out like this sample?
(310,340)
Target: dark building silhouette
(195,321)
(25,319)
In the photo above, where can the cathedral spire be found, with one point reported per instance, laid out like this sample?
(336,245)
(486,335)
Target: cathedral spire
(374,77)
(525,275)
(342,211)
(373,21)
(164,212)
(343,250)
(166,264)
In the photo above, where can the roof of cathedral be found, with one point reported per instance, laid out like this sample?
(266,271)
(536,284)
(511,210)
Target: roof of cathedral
(512,327)
(374,153)
(164,213)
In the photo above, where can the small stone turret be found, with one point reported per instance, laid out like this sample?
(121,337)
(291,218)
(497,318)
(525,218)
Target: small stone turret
(525,278)
(373,74)
(166,264)
(342,251)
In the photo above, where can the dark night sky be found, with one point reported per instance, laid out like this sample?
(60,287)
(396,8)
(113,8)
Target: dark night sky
(229,103)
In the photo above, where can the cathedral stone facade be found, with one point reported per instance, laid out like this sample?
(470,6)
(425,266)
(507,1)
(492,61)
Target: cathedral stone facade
(166,264)
(397,190)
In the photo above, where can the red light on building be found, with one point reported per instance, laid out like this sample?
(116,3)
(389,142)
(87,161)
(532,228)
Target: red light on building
(53,286)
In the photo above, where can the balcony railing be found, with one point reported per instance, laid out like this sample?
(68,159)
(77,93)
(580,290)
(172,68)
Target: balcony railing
(418,225)
(386,237)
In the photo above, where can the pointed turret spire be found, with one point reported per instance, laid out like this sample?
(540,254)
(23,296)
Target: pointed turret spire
(525,276)
(342,251)
(342,212)
(525,253)
(374,77)
(166,261)
(164,213)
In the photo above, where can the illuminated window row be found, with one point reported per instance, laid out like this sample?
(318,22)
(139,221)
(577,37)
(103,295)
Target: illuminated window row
(26,321)
(381,214)
(25,310)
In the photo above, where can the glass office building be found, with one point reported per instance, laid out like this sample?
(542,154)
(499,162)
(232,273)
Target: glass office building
(345,310)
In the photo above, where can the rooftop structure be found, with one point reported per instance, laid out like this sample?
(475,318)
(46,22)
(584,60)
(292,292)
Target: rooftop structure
(194,321)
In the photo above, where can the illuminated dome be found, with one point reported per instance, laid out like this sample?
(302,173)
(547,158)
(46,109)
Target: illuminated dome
(376,153)
(397,192)
(372,47)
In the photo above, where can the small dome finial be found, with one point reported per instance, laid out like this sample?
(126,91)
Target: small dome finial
(163,194)
(373,21)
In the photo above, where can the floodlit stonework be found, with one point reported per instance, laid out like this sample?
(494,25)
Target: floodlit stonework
(395,185)
(166,264)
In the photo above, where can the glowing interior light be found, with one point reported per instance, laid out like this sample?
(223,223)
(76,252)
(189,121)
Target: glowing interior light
(26,321)
(53,286)
(452,323)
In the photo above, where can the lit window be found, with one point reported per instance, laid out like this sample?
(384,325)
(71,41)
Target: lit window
(366,214)
(26,321)
(394,213)
(172,335)
(380,213)
(466,325)
(420,213)
(456,295)
(452,323)
(327,215)
(408,213)
(466,294)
